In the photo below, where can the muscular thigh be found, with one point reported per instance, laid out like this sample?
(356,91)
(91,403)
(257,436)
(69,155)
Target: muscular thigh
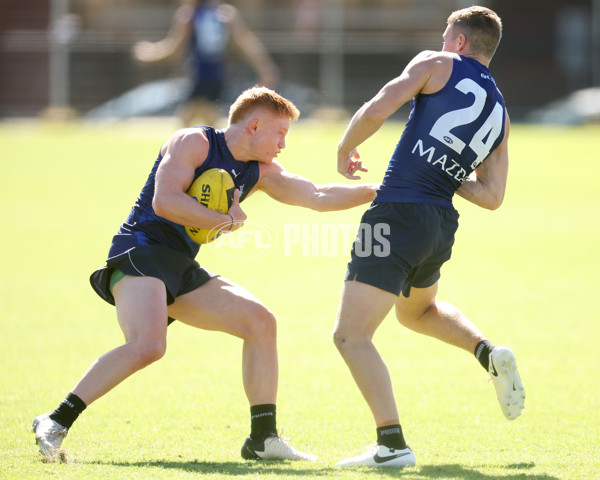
(141,304)
(414,306)
(362,308)
(220,305)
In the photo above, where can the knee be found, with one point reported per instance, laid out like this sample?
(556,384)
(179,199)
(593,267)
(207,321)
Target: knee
(339,339)
(148,351)
(346,340)
(262,324)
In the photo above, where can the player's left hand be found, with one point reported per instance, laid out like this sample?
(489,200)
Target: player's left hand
(349,164)
(236,213)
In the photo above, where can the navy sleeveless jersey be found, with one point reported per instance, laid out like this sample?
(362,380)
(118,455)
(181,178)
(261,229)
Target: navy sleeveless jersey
(209,43)
(144,227)
(448,134)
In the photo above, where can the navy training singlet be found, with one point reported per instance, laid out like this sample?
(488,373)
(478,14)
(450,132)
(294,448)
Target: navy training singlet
(144,227)
(210,36)
(448,134)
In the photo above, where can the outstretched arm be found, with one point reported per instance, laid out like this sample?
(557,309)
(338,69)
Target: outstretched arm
(173,44)
(251,46)
(426,72)
(292,189)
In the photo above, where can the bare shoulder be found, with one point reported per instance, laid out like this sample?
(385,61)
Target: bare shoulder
(188,137)
(188,145)
(429,63)
(432,59)
(436,67)
(425,55)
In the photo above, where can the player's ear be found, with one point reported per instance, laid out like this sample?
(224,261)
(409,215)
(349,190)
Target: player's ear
(462,41)
(252,126)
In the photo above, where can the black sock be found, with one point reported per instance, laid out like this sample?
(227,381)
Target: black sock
(482,353)
(263,421)
(68,411)
(391,436)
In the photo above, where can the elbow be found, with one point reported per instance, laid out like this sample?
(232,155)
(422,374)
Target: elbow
(494,203)
(319,201)
(321,207)
(159,207)
(498,198)
(323,204)
(493,196)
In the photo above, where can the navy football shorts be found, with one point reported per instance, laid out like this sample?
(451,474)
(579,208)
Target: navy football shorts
(179,273)
(402,245)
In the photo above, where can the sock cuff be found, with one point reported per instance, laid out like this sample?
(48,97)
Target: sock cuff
(389,429)
(68,410)
(265,409)
(482,353)
(263,421)
(481,347)
(391,436)
(76,402)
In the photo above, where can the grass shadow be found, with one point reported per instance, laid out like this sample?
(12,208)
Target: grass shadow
(278,467)
(518,471)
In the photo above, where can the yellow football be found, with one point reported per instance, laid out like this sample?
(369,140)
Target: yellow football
(213,189)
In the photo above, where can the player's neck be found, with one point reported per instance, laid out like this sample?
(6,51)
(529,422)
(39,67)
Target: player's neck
(234,139)
(480,58)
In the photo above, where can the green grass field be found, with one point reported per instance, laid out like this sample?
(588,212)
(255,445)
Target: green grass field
(527,274)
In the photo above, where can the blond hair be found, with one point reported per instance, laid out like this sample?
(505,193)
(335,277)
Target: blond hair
(481,26)
(261,97)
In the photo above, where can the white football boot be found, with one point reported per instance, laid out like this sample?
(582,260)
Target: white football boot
(49,435)
(273,448)
(507,382)
(381,456)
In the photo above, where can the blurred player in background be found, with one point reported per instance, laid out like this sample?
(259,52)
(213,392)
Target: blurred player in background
(456,140)
(202,30)
(152,278)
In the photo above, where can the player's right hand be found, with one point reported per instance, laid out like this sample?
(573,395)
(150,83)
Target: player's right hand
(349,164)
